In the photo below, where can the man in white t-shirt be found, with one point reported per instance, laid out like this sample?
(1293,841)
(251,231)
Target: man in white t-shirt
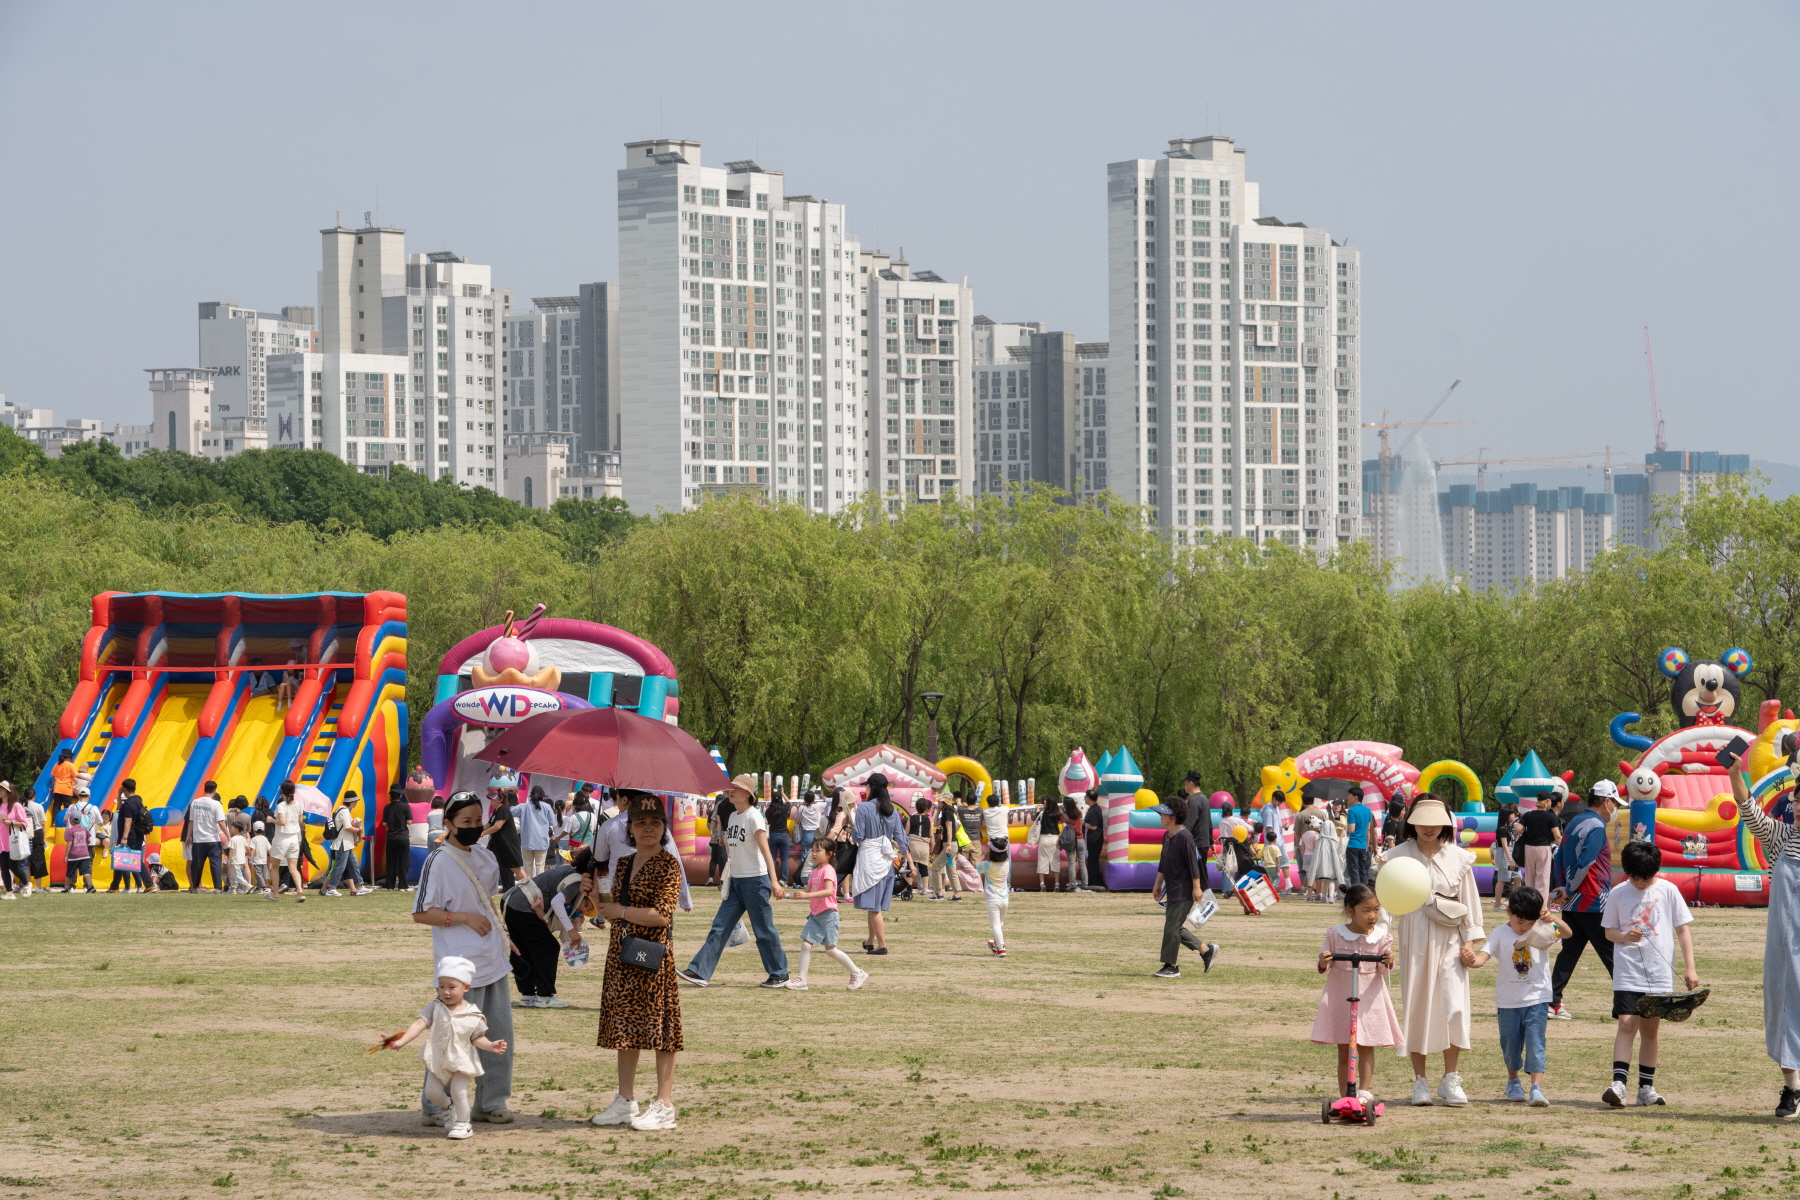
(205,845)
(753,881)
(456,899)
(1645,918)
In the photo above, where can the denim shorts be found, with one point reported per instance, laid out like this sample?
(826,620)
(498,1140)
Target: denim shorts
(1522,1037)
(821,928)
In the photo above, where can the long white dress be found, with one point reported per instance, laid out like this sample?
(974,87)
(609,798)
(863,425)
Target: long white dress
(1328,855)
(1434,985)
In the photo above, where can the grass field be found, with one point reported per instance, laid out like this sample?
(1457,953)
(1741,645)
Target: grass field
(213,1046)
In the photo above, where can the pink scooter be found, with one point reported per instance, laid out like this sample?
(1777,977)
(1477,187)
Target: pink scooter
(1349,1109)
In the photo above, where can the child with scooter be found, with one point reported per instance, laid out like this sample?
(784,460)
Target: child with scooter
(1355,1013)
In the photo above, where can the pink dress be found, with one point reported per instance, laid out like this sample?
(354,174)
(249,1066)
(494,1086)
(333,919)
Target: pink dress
(1376,1024)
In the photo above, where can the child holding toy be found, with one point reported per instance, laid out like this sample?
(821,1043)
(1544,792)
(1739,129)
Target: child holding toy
(1645,917)
(1363,932)
(456,1030)
(1522,990)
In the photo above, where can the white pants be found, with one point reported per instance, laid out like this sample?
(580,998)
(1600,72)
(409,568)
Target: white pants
(534,863)
(996,911)
(458,1099)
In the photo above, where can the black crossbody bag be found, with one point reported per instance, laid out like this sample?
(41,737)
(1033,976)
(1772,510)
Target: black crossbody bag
(640,953)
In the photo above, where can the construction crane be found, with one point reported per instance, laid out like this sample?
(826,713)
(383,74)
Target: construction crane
(1575,458)
(1656,421)
(1387,455)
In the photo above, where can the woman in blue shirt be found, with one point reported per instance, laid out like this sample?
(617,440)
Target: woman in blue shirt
(879,832)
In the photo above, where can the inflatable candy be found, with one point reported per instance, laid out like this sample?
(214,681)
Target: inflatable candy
(1076,776)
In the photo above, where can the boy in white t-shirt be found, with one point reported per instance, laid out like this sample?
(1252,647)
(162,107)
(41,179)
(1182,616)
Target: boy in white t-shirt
(1522,992)
(259,855)
(1645,918)
(239,849)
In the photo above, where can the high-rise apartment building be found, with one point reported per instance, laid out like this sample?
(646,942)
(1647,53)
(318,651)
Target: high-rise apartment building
(739,326)
(406,371)
(1235,364)
(1040,403)
(236,343)
(916,343)
(559,368)
(1522,534)
(1670,479)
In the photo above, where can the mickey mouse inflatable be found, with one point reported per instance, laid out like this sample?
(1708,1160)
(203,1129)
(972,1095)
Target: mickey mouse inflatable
(1705,693)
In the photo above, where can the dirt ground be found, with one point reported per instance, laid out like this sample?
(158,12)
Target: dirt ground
(177,1046)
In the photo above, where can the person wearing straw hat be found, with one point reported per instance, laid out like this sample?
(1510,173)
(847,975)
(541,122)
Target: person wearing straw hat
(1437,943)
(753,882)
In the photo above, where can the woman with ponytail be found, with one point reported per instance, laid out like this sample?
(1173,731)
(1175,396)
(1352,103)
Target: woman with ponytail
(878,831)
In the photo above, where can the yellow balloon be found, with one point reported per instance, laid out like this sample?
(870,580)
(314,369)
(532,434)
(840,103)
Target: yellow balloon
(1241,833)
(1402,885)
(1468,837)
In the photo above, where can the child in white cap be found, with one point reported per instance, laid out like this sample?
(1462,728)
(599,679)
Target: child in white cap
(454,1029)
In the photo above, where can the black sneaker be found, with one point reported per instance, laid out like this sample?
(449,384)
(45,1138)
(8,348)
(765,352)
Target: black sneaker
(1168,972)
(1207,955)
(774,981)
(1790,1102)
(687,976)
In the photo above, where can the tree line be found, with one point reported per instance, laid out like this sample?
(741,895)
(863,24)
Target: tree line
(801,638)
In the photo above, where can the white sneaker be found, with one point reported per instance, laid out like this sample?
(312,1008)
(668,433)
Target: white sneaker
(1614,1094)
(657,1116)
(857,980)
(333,892)
(459,1132)
(797,985)
(1367,1098)
(1648,1095)
(430,1118)
(1450,1092)
(619,1112)
(1421,1091)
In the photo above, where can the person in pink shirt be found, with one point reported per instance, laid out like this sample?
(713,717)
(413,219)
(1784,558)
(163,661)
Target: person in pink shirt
(822,925)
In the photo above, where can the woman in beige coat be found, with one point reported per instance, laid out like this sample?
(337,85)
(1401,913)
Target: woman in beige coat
(1435,943)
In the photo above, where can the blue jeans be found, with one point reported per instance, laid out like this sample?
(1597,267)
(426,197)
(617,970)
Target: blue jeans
(743,896)
(803,868)
(778,850)
(1522,1037)
(340,860)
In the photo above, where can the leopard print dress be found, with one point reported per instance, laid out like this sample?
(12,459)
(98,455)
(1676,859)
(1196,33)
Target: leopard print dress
(641,1010)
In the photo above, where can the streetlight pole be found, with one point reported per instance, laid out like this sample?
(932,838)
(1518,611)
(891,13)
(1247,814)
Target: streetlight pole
(931,700)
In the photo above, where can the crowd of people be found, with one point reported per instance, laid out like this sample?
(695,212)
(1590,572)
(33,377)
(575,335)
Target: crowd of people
(508,887)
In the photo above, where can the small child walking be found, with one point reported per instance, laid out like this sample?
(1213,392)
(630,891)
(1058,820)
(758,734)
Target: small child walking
(259,857)
(996,891)
(821,930)
(453,1029)
(239,852)
(1522,992)
(1644,918)
(1363,932)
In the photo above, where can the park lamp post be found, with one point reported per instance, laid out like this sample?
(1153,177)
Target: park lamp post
(931,700)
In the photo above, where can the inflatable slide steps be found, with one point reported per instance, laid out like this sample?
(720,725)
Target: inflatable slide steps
(313,766)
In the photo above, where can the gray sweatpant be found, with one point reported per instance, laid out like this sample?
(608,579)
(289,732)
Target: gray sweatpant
(494,1086)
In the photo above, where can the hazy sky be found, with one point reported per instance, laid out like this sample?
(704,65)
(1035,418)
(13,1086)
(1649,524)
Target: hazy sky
(1530,184)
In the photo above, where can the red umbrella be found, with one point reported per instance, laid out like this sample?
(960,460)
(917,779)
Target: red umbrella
(611,747)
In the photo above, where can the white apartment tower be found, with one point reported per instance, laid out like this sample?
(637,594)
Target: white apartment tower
(916,342)
(1235,364)
(559,369)
(236,343)
(406,371)
(1040,403)
(739,336)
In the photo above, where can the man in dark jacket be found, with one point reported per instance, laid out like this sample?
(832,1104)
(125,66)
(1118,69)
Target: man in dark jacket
(131,825)
(1199,820)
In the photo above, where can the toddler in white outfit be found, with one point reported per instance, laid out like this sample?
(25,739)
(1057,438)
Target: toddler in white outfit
(453,1030)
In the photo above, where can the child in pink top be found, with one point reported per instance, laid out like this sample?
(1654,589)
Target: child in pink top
(822,925)
(1376,1024)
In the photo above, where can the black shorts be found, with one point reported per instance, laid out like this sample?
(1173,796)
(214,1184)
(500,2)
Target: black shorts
(718,854)
(1625,1004)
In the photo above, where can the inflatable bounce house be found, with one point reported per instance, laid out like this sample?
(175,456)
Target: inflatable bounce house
(495,679)
(176,689)
(1679,796)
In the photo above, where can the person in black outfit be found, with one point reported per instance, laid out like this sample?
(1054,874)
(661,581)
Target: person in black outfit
(532,912)
(778,814)
(132,826)
(1095,822)
(1178,886)
(503,838)
(1198,821)
(396,820)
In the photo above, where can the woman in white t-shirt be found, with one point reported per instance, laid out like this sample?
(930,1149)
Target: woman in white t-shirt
(284,847)
(456,899)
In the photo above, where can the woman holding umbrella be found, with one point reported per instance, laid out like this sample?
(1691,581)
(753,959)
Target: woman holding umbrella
(641,1009)
(877,831)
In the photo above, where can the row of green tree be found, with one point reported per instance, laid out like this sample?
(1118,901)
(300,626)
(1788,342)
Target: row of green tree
(800,639)
(311,487)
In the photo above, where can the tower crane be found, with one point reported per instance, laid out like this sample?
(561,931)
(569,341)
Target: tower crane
(1656,421)
(1386,457)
